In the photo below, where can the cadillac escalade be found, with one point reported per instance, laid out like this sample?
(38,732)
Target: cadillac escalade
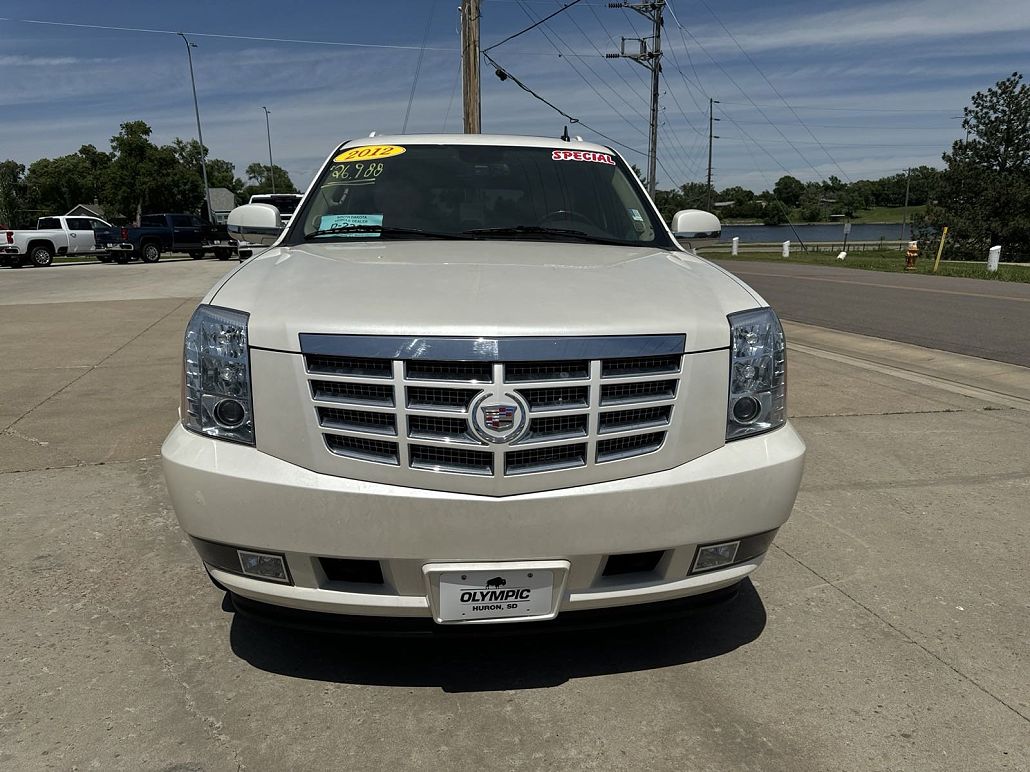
(477,379)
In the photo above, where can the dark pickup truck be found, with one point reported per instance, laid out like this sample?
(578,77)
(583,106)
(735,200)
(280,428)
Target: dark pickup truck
(160,233)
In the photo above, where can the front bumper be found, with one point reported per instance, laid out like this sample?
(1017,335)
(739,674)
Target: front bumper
(237,495)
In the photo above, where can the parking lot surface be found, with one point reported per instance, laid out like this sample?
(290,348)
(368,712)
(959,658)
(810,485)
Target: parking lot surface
(889,627)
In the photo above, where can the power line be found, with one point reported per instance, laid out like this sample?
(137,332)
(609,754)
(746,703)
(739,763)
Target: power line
(774,89)
(854,109)
(532,26)
(575,69)
(506,75)
(418,66)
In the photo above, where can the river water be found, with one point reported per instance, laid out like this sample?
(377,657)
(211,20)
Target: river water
(780,233)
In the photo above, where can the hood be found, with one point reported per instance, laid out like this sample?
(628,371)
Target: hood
(482,288)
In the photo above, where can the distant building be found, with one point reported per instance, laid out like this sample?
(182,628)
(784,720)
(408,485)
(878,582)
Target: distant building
(87,210)
(223,201)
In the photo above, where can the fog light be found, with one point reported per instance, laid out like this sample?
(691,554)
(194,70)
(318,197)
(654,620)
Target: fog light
(715,556)
(746,410)
(230,413)
(264,566)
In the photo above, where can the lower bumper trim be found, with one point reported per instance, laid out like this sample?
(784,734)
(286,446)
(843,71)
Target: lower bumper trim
(567,621)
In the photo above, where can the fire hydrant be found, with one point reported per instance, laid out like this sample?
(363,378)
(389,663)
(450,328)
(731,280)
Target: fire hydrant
(910,255)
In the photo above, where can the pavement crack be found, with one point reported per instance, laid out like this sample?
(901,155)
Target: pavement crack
(928,482)
(213,725)
(886,622)
(898,412)
(90,368)
(81,464)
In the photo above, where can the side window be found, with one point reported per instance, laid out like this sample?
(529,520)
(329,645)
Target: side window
(181,221)
(79,224)
(48,223)
(98,224)
(196,222)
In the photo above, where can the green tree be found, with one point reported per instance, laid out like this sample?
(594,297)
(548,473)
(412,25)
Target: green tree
(144,177)
(220,173)
(789,190)
(775,212)
(55,185)
(984,191)
(260,178)
(12,192)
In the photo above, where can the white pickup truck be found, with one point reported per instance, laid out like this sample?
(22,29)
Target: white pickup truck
(57,236)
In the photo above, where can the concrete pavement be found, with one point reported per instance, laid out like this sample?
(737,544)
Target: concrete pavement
(889,627)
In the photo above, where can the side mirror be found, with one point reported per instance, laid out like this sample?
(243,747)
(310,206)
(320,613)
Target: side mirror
(696,227)
(256,223)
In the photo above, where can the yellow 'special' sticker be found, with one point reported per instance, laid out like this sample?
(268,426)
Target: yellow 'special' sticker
(369,153)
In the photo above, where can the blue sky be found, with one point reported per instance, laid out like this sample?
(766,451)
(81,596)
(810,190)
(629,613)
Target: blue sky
(873,87)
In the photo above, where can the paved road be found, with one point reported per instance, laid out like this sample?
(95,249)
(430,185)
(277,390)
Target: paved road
(967,316)
(887,630)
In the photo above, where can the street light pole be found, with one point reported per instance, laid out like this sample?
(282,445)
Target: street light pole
(271,166)
(200,135)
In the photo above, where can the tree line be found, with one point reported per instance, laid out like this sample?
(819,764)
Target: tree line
(134,178)
(982,194)
(797,201)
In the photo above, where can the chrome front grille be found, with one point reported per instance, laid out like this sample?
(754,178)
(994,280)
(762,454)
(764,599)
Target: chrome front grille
(416,413)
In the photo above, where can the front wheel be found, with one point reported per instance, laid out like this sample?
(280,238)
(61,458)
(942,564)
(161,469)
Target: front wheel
(151,253)
(41,257)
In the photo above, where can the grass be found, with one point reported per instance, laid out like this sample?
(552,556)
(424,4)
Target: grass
(876,214)
(889,260)
(889,214)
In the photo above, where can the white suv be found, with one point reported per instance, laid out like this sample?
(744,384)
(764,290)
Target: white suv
(477,380)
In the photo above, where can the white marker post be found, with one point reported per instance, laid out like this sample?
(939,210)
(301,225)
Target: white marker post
(786,249)
(993,257)
(735,245)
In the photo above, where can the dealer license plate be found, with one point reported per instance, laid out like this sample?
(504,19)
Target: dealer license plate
(496,594)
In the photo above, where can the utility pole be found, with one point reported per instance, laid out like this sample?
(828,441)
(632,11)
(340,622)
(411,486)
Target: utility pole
(470,65)
(200,136)
(904,214)
(650,56)
(711,135)
(268,131)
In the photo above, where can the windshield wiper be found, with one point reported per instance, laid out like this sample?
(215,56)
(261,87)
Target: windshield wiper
(342,230)
(542,230)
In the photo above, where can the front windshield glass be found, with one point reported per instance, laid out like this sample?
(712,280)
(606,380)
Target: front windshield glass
(481,192)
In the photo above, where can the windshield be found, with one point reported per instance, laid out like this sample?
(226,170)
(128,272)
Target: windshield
(285,203)
(475,191)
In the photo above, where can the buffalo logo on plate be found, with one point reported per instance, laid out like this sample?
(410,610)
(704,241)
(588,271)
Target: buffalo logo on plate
(499,418)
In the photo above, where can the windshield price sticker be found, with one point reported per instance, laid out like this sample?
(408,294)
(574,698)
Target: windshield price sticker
(369,153)
(356,173)
(330,221)
(582,155)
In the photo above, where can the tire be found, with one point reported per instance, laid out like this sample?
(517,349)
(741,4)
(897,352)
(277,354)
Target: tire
(150,253)
(41,256)
(223,254)
(122,258)
(197,255)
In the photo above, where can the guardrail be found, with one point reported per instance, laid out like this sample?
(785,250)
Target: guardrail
(810,246)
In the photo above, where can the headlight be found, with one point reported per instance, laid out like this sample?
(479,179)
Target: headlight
(216,375)
(758,374)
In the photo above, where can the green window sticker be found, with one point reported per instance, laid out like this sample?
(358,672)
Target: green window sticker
(330,221)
